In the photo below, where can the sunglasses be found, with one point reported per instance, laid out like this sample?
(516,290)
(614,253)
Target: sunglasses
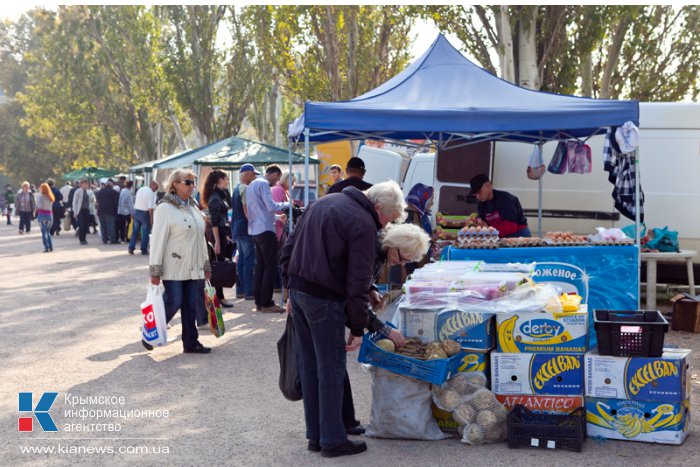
(187,182)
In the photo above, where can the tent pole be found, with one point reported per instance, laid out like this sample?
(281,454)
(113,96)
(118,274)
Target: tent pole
(291,176)
(637,218)
(306,166)
(539,199)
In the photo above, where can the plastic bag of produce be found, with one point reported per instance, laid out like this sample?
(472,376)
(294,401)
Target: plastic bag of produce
(481,418)
(401,408)
(154,329)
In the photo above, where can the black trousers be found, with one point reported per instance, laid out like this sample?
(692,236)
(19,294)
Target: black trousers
(122,226)
(57,217)
(348,406)
(226,253)
(83,224)
(266,262)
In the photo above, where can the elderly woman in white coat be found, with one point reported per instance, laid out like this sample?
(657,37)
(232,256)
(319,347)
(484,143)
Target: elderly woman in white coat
(178,255)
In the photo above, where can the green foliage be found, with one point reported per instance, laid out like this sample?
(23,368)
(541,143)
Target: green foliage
(331,53)
(656,59)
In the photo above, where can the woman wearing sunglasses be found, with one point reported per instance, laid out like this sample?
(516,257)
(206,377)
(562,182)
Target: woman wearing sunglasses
(179,255)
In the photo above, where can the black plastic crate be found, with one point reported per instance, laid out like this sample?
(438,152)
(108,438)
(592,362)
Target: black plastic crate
(630,333)
(527,429)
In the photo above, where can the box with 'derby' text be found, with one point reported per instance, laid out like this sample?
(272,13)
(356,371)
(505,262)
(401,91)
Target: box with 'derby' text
(530,332)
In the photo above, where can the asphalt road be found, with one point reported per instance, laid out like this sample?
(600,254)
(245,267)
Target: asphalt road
(70,324)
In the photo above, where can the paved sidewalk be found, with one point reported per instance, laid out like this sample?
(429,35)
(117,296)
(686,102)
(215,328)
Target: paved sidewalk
(70,324)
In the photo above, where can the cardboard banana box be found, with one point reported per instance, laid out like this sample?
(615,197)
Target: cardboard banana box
(649,422)
(565,332)
(540,373)
(662,379)
(471,329)
(542,404)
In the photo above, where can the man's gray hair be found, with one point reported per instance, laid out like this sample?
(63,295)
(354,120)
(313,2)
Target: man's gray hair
(389,199)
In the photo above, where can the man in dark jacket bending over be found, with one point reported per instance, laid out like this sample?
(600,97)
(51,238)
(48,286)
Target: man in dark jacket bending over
(327,264)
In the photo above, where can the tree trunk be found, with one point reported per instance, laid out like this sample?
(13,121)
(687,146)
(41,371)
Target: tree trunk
(178,128)
(613,57)
(353,33)
(528,71)
(506,56)
(586,75)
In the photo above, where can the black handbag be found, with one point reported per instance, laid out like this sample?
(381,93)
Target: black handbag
(289,380)
(223,273)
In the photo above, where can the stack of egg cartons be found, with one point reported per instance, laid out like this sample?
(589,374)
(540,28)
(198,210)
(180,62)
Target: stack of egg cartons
(539,362)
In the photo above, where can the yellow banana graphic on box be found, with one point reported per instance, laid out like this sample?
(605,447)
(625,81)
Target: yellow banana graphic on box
(632,425)
(505,335)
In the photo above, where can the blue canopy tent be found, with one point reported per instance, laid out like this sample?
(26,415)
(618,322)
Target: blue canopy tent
(444,98)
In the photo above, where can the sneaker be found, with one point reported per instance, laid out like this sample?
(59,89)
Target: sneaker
(131,252)
(146,345)
(83,243)
(272,309)
(240,295)
(347,449)
(249,297)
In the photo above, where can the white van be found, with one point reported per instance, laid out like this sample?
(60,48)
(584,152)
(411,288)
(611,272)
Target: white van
(669,155)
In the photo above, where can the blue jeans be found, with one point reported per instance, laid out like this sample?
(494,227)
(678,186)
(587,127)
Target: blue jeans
(320,337)
(108,227)
(246,265)
(182,295)
(45,222)
(142,223)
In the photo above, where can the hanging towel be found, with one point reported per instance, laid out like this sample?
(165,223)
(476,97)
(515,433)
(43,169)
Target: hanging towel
(620,168)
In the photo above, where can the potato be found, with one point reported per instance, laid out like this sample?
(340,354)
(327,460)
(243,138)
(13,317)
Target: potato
(473,434)
(386,345)
(482,399)
(461,383)
(448,400)
(436,354)
(476,378)
(451,347)
(464,414)
(485,418)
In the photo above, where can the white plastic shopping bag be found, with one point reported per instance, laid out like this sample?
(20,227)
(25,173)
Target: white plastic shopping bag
(154,328)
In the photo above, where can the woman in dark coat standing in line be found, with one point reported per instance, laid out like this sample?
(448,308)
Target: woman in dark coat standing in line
(216,199)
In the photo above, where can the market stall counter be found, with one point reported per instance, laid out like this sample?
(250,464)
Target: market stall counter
(605,276)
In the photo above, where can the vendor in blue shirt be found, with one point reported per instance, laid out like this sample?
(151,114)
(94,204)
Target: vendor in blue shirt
(499,209)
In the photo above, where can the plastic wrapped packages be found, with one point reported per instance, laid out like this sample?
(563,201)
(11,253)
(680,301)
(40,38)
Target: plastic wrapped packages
(455,269)
(481,418)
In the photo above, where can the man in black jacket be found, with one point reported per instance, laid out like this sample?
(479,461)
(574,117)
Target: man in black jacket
(107,205)
(327,264)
